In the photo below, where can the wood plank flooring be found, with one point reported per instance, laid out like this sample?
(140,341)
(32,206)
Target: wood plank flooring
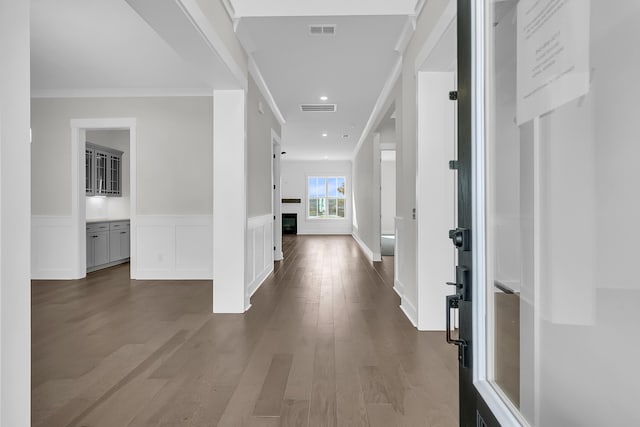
(324,344)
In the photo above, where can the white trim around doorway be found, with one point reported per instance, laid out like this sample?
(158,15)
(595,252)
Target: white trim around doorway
(78,206)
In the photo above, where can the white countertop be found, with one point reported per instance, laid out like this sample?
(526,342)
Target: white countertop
(95,220)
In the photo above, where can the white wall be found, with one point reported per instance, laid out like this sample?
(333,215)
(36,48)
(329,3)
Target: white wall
(112,207)
(174,168)
(15,287)
(435,196)
(174,135)
(388,191)
(259,147)
(294,185)
(363,198)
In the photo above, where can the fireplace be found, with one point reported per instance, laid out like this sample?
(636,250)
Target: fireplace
(289,223)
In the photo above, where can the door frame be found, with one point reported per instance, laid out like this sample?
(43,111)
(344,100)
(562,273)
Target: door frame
(78,199)
(480,404)
(276,199)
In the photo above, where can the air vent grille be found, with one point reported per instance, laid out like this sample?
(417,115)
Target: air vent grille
(319,108)
(322,30)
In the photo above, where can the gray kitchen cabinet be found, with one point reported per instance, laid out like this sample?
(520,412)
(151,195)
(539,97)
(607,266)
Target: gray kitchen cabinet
(97,244)
(119,241)
(107,244)
(103,171)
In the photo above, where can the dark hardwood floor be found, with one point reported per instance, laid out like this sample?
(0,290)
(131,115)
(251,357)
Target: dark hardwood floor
(324,344)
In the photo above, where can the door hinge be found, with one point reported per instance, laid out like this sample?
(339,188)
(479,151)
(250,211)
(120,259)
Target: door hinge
(274,248)
(453,95)
(274,217)
(274,187)
(454,164)
(274,156)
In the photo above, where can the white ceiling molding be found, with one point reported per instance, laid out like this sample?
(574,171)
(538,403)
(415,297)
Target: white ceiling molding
(262,8)
(264,90)
(120,93)
(379,107)
(405,36)
(440,29)
(419,6)
(184,26)
(231,12)
(202,24)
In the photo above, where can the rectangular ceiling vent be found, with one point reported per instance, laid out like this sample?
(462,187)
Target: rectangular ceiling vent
(319,108)
(322,30)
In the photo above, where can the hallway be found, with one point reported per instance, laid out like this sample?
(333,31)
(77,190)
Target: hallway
(323,344)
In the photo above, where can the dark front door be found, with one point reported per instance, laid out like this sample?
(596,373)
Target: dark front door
(473,411)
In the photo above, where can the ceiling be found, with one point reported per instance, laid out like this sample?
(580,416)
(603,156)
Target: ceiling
(113,48)
(350,68)
(103,48)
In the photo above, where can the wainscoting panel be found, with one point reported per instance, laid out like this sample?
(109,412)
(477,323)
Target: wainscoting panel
(174,247)
(259,251)
(53,249)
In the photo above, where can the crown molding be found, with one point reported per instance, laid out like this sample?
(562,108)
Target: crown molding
(254,70)
(378,109)
(202,24)
(120,93)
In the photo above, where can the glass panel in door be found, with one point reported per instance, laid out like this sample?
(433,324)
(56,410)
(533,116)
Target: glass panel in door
(114,175)
(88,169)
(562,206)
(101,172)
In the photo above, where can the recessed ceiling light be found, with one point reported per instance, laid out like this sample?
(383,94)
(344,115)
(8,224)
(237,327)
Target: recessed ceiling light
(324,98)
(324,134)
(326,157)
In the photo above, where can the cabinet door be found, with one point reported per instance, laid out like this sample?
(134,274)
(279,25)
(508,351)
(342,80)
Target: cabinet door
(100,247)
(115,175)
(89,179)
(119,245)
(101,162)
(90,251)
(125,239)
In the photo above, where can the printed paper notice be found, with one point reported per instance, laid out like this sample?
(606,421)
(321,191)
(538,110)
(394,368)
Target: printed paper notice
(553,54)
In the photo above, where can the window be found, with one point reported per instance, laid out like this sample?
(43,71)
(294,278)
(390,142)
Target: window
(326,196)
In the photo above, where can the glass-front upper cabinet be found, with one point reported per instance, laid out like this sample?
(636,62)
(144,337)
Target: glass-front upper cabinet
(88,172)
(103,168)
(561,151)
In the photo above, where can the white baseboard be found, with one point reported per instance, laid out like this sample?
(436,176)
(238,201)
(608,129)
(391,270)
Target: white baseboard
(368,252)
(399,288)
(259,280)
(410,311)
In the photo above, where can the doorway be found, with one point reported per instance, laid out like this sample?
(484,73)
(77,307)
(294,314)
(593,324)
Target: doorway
(83,207)
(387,202)
(277,196)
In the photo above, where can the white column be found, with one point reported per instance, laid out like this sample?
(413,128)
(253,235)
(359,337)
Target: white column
(435,189)
(229,202)
(15,215)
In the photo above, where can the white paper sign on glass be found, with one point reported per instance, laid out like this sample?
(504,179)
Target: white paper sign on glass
(553,54)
